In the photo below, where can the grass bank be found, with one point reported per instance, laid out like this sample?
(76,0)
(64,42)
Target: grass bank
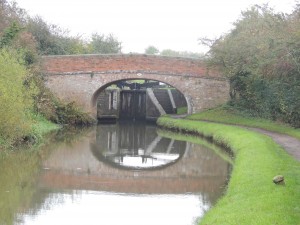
(39,127)
(231,116)
(251,197)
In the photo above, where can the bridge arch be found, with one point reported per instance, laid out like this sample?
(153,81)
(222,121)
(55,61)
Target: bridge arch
(79,78)
(102,88)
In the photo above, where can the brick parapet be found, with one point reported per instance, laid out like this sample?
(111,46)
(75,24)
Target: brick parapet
(129,63)
(81,78)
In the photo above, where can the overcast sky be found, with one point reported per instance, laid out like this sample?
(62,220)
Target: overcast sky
(166,24)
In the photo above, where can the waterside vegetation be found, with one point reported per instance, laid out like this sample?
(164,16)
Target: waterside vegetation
(18,121)
(26,104)
(260,57)
(251,196)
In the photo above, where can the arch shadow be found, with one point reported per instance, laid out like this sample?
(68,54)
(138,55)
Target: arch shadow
(103,87)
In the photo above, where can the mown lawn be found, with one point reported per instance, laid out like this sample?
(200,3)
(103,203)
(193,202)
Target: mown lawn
(251,197)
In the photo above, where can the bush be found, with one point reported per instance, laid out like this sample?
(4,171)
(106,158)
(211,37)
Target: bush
(260,57)
(57,111)
(15,99)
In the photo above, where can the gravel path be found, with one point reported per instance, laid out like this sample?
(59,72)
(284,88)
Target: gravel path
(290,144)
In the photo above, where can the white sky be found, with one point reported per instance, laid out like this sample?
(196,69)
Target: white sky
(166,24)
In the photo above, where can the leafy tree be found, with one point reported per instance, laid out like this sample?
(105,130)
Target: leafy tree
(260,56)
(9,34)
(104,44)
(9,12)
(17,38)
(170,52)
(73,45)
(22,90)
(46,36)
(151,50)
(15,99)
(191,54)
(52,40)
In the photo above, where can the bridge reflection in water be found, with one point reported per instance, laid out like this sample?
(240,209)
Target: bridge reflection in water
(136,146)
(126,174)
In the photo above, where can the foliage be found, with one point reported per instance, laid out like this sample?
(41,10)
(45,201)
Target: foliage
(251,196)
(52,40)
(15,97)
(57,111)
(151,50)
(15,37)
(170,52)
(9,34)
(10,12)
(41,126)
(23,94)
(260,57)
(104,44)
(72,115)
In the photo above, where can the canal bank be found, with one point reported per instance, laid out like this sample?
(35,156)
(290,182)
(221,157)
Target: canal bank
(251,196)
(40,127)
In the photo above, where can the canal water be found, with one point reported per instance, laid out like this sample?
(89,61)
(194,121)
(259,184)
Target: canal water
(126,173)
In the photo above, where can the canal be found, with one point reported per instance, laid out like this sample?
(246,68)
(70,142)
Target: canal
(124,173)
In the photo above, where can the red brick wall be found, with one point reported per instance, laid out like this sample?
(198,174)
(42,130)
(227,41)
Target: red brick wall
(134,63)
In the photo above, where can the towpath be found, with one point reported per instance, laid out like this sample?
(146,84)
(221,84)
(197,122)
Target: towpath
(290,144)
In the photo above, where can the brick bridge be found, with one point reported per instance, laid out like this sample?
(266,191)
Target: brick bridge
(81,78)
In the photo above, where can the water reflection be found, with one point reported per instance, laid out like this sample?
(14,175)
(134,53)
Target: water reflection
(82,178)
(136,146)
(88,207)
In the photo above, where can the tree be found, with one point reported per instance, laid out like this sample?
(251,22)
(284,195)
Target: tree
(47,36)
(104,44)
(52,40)
(9,12)
(15,99)
(151,50)
(9,34)
(260,57)
(170,52)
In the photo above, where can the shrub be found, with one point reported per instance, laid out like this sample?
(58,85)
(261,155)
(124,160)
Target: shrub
(15,99)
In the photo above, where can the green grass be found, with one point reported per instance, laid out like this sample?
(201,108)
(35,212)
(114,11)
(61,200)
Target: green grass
(251,197)
(182,110)
(39,127)
(230,116)
(42,126)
